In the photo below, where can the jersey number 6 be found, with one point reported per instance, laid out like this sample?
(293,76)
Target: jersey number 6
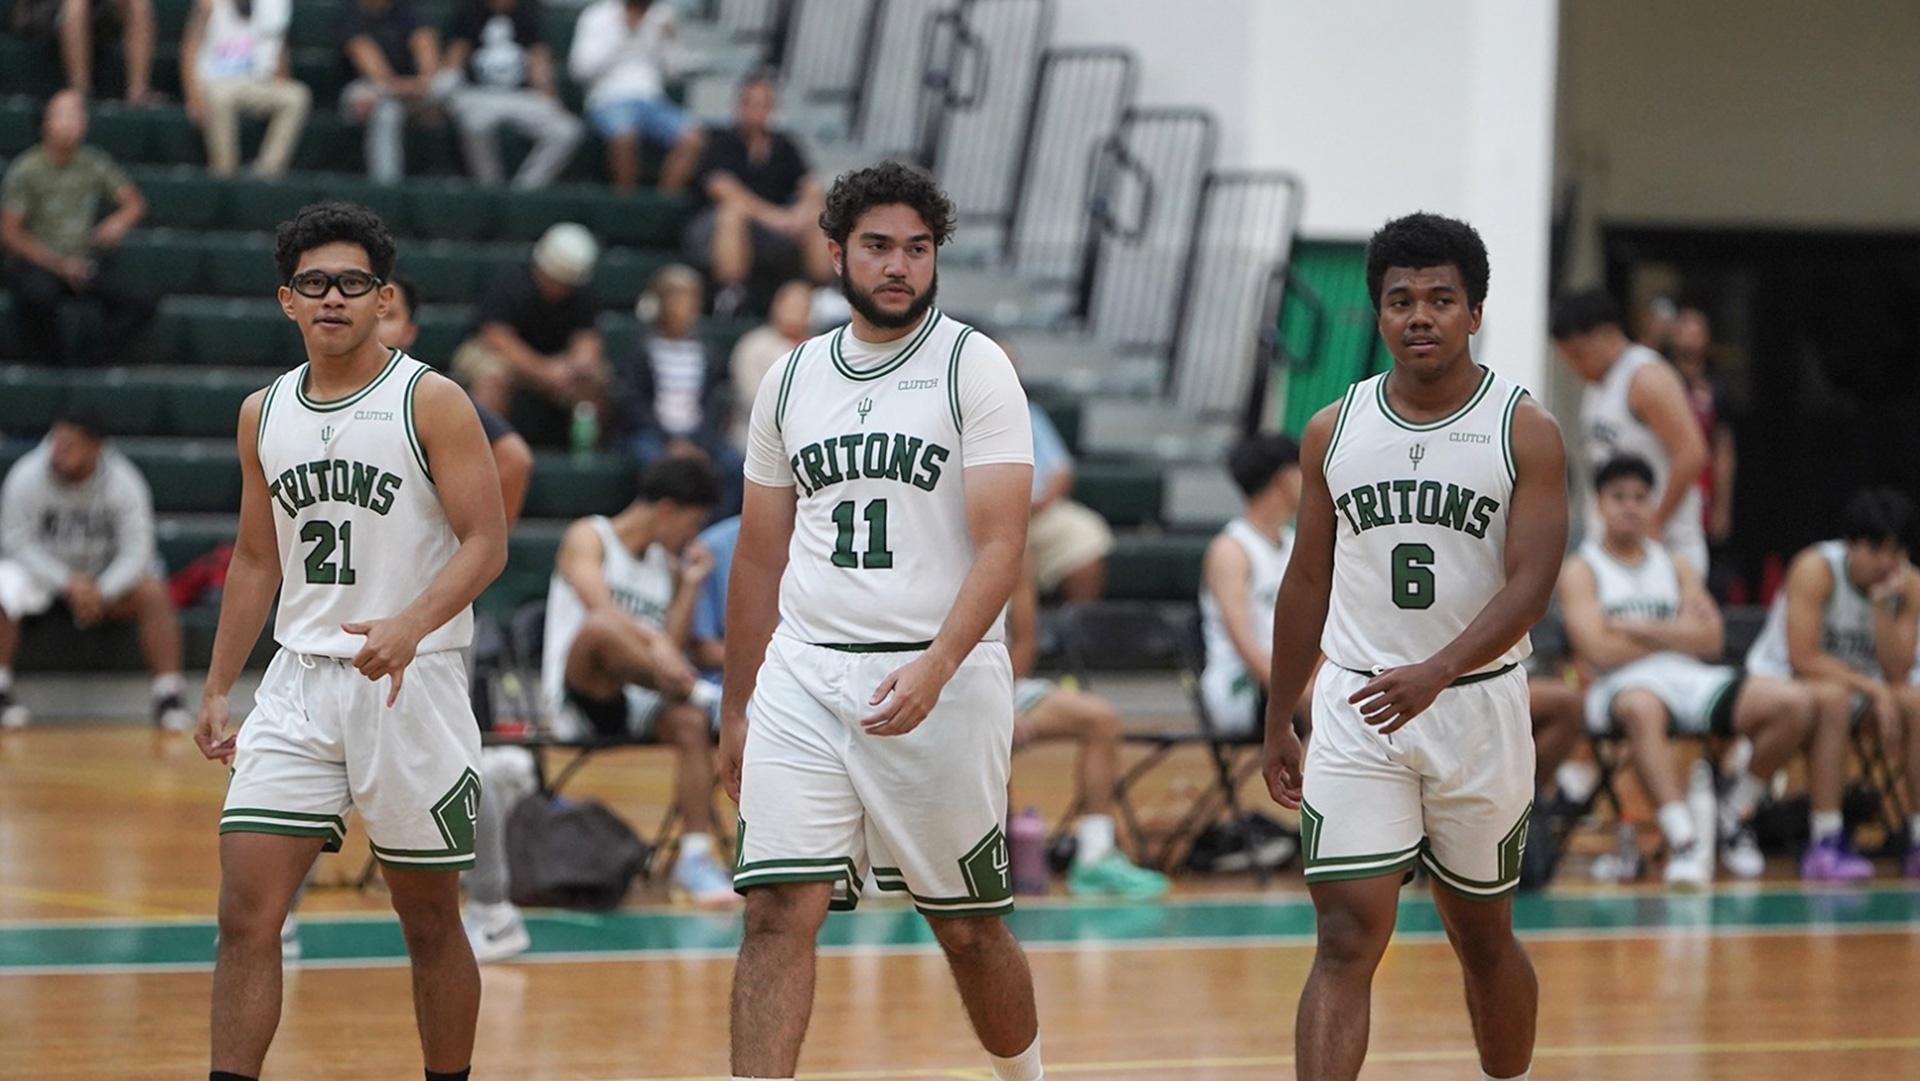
(1413,575)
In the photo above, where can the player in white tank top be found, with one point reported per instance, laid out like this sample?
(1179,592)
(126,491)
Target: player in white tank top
(1844,621)
(370,506)
(1643,623)
(867,723)
(1432,520)
(1635,405)
(1240,581)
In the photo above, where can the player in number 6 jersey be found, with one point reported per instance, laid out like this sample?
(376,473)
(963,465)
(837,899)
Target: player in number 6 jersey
(371,508)
(1432,521)
(889,470)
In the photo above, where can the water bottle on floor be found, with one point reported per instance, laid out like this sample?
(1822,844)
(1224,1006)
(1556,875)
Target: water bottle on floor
(1027,842)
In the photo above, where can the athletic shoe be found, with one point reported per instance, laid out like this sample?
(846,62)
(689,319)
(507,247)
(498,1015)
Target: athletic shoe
(1912,868)
(170,714)
(1740,854)
(13,714)
(1690,868)
(703,881)
(290,939)
(1829,861)
(496,931)
(1113,875)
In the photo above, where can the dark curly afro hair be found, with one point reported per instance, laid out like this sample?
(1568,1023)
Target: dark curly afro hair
(320,224)
(1428,240)
(884,184)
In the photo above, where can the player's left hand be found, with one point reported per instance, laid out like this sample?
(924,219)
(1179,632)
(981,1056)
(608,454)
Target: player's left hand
(1398,695)
(389,649)
(696,563)
(906,696)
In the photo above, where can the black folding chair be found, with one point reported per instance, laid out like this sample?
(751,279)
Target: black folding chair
(1133,636)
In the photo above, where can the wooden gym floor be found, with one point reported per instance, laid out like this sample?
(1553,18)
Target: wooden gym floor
(108,878)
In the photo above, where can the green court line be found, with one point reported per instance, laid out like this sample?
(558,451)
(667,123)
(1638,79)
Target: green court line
(561,936)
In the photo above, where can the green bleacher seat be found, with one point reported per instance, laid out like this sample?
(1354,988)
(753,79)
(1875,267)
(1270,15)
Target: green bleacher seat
(189,476)
(29,395)
(527,214)
(388,201)
(442,328)
(565,486)
(19,124)
(312,24)
(206,402)
(28,67)
(183,539)
(1124,493)
(261,205)
(1162,567)
(453,210)
(163,260)
(239,264)
(182,197)
(172,139)
(129,400)
(236,332)
(622,275)
(645,218)
(442,271)
(329,144)
(122,132)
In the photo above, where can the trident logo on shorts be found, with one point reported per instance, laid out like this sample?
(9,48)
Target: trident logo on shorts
(988,868)
(1415,453)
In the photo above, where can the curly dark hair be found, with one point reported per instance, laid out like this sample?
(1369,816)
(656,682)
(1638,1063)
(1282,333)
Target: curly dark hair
(1427,240)
(319,224)
(889,182)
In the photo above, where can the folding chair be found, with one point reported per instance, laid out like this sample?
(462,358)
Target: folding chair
(1134,636)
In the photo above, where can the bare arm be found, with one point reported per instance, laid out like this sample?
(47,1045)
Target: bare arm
(1726,460)
(1896,623)
(527,363)
(579,563)
(1023,624)
(1594,638)
(1659,399)
(458,52)
(1226,570)
(424,43)
(253,581)
(1810,584)
(190,56)
(367,59)
(15,239)
(513,458)
(1695,629)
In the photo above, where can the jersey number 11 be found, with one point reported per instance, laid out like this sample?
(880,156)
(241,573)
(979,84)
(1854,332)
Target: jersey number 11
(877,556)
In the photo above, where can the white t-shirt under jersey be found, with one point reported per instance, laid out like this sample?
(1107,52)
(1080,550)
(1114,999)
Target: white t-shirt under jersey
(875,439)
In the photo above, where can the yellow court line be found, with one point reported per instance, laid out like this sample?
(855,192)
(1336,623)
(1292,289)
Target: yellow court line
(91,902)
(1434,1055)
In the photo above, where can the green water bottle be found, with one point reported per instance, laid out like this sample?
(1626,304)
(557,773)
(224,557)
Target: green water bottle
(584,435)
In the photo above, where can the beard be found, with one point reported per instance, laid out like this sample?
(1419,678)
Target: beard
(872,312)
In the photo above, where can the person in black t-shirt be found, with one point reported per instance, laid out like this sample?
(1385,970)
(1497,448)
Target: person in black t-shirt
(508,71)
(541,319)
(763,211)
(393,62)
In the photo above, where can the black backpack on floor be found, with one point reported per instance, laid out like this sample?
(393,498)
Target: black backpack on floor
(567,854)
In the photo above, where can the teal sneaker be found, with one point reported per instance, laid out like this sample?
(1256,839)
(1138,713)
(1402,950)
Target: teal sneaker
(1113,875)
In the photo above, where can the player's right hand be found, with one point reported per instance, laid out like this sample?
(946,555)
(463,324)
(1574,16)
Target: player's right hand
(733,751)
(1282,760)
(210,731)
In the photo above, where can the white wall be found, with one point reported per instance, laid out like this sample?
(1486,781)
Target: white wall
(1384,107)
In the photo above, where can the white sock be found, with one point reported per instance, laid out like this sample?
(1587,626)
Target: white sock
(1095,836)
(168,685)
(695,845)
(1913,828)
(1745,795)
(6,678)
(1826,824)
(1523,1075)
(1024,1066)
(1676,824)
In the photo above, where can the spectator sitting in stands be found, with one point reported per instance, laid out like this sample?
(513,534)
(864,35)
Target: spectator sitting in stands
(49,203)
(763,204)
(509,80)
(76,526)
(80,25)
(233,59)
(541,319)
(757,351)
(1068,542)
(512,458)
(673,396)
(619,54)
(1240,583)
(393,63)
(1843,625)
(614,665)
(1045,712)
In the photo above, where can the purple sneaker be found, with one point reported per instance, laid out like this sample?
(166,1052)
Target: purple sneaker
(1827,861)
(1913,862)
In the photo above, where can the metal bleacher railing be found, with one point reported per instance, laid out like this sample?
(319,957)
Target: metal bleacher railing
(977,104)
(1082,95)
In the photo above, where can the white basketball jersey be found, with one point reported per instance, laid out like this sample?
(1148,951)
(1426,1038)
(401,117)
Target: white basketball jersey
(641,585)
(1846,627)
(1610,430)
(1420,521)
(1267,565)
(874,453)
(1649,589)
(358,520)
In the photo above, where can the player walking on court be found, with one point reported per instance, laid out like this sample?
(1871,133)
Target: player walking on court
(889,469)
(365,476)
(1434,513)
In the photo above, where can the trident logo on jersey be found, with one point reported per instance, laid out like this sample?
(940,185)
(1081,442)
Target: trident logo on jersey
(1415,453)
(326,435)
(865,407)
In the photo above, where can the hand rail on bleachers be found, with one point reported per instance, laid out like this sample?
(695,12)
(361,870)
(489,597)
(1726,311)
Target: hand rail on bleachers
(1082,94)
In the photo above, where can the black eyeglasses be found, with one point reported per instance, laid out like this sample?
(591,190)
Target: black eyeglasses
(352,283)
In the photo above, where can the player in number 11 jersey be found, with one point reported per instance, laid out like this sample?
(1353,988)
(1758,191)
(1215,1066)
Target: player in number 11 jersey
(1432,520)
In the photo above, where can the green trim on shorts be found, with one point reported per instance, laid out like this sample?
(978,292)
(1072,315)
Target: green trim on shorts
(285,824)
(890,880)
(333,838)
(1337,874)
(875,647)
(1512,848)
(424,859)
(778,872)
